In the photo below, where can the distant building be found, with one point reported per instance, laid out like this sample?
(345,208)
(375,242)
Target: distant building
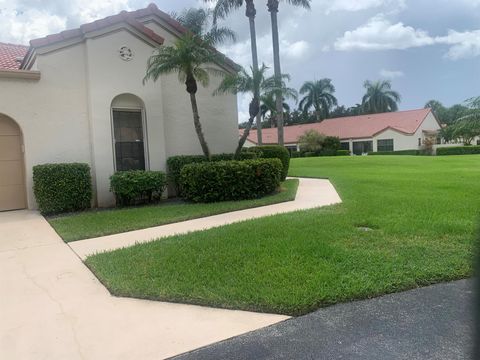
(392,131)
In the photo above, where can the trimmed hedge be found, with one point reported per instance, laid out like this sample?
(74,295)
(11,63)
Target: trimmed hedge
(176,163)
(272,152)
(299,154)
(399,152)
(130,187)
(62,187)
(458,150)
(230,180)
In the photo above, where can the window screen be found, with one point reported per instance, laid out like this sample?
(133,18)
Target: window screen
(128,138)
(385,145)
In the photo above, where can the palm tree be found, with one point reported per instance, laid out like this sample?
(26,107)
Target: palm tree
(222,10)
(187,57)
(245,82)
(319,95)
(272,6)
(380,97)
(200,22)
(269,107)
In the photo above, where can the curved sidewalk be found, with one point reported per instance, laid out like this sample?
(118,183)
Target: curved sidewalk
(311,193)
(52,307)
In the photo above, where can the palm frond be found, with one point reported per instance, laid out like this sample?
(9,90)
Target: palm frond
(300,3)
(224,7)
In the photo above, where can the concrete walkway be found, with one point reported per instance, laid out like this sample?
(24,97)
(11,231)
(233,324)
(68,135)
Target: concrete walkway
(432,323)
(311,193)
(53,307)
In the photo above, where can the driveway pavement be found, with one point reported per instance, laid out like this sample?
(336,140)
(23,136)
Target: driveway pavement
(432,323)
(53,307)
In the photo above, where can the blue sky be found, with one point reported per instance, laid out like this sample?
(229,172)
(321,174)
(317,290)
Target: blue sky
(430,49)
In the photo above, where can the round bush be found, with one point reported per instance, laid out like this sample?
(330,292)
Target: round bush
(230,180)
(62,187)
(176,163)
(272,152)
(137,186)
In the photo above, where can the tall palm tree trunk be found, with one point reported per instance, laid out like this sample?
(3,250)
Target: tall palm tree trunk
(254,108)
(273,9)
(251,13)
(198,126)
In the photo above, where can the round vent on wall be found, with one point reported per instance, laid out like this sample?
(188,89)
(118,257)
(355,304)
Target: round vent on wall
(125,53)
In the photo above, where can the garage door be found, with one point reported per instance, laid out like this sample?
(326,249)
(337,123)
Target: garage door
(12,178)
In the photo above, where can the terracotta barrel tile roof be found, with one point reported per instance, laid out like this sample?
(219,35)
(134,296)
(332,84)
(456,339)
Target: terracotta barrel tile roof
(351,127)
(11,56)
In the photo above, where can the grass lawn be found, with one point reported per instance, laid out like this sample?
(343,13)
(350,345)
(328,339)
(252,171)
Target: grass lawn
(105,222)
(422,212)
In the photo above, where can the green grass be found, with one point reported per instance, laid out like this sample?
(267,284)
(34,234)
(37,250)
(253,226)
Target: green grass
(105,222)
(423,214)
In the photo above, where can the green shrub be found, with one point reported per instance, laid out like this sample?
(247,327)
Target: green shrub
(398,152)
(176,163)
(458,150)
(136,186)
(295,154)
(272,152)
(230,180)
(331,143)
(343,153)
(325,152)
(62,187)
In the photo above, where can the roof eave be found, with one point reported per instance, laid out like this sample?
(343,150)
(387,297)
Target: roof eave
(19,74)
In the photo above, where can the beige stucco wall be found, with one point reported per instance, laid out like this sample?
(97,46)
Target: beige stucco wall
(108,77)
(66,115)
(51,112)
(218,115)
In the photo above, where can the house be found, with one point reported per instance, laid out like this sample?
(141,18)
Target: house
(392,131)
(78,96)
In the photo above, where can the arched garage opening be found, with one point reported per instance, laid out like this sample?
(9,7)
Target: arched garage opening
(12,171)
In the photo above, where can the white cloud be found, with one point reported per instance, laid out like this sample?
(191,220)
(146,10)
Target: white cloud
(464,44)
(349,5)
(21,21)
(380,34)
(21,27)
(391,74)
(296,50)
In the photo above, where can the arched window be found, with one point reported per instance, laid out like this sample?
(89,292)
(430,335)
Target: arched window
(129,133)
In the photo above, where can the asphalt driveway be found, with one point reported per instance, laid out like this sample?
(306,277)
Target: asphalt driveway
(434,323)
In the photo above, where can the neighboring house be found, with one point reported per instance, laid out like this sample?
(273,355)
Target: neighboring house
(392,131)
(78,96)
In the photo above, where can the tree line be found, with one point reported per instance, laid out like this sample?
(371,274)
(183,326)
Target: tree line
(318,102)
(461,121)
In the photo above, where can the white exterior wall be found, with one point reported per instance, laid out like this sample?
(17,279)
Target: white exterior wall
(51,112)
(66,115)
(108,77)
(402,141)
(218,115)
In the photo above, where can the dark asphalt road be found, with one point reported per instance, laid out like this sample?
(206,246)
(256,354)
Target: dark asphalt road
(431,323)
